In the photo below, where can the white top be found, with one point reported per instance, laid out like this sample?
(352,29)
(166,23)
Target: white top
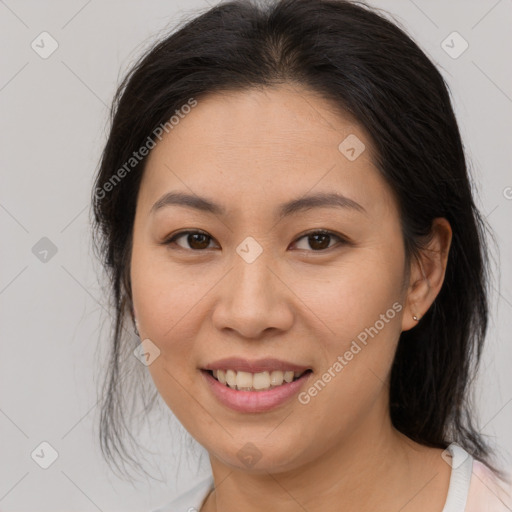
(473,488)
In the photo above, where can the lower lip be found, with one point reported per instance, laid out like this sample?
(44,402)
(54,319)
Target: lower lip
(254,401)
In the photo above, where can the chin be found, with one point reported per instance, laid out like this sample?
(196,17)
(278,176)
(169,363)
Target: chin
(259,455)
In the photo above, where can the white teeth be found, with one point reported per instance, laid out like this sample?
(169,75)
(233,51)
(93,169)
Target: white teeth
(231,378)
(261,380)
(276,378)
(288,376)
(246,381)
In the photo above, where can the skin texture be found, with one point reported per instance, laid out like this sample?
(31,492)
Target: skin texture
(251,151)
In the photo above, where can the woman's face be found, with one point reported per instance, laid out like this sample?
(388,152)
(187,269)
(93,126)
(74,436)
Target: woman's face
(261,286)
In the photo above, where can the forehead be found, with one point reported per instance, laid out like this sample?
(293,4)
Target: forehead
(257,145)
(277,119)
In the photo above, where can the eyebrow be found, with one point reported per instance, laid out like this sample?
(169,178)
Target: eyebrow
(318,200)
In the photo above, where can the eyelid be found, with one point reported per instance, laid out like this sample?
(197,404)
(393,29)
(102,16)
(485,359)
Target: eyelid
(172,238)
(342,240)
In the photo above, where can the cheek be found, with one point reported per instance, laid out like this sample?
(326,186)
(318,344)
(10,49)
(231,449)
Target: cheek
(361,306)
(352,295)
(165,297)
(166,302)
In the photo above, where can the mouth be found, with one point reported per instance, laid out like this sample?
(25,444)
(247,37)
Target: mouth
(258,381)
(255,386)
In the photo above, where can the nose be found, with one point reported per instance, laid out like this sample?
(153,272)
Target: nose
(253,300)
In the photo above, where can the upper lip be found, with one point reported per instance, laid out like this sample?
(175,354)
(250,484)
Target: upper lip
(255,365)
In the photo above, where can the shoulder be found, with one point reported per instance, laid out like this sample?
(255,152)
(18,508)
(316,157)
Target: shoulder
(487,492)
(191,500)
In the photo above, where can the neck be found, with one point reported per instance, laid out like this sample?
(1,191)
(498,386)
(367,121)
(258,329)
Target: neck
(373,469)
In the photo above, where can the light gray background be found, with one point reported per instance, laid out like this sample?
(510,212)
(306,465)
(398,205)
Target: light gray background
(54,115)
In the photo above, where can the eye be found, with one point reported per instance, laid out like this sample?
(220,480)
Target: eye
(196,240)
(319,240)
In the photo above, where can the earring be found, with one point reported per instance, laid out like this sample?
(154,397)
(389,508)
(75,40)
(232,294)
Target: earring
(136,328)
(415,318)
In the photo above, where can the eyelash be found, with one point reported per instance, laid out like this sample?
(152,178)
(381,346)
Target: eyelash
(342,240)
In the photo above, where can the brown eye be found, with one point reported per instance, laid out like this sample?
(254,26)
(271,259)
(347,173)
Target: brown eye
(200,241)
(320,240)
(196,240)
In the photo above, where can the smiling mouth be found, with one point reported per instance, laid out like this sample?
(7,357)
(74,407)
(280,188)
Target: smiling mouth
(260,381)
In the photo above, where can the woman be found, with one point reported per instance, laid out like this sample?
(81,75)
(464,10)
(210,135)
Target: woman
(284,210)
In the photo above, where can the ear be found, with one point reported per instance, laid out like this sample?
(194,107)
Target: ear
(427,273)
